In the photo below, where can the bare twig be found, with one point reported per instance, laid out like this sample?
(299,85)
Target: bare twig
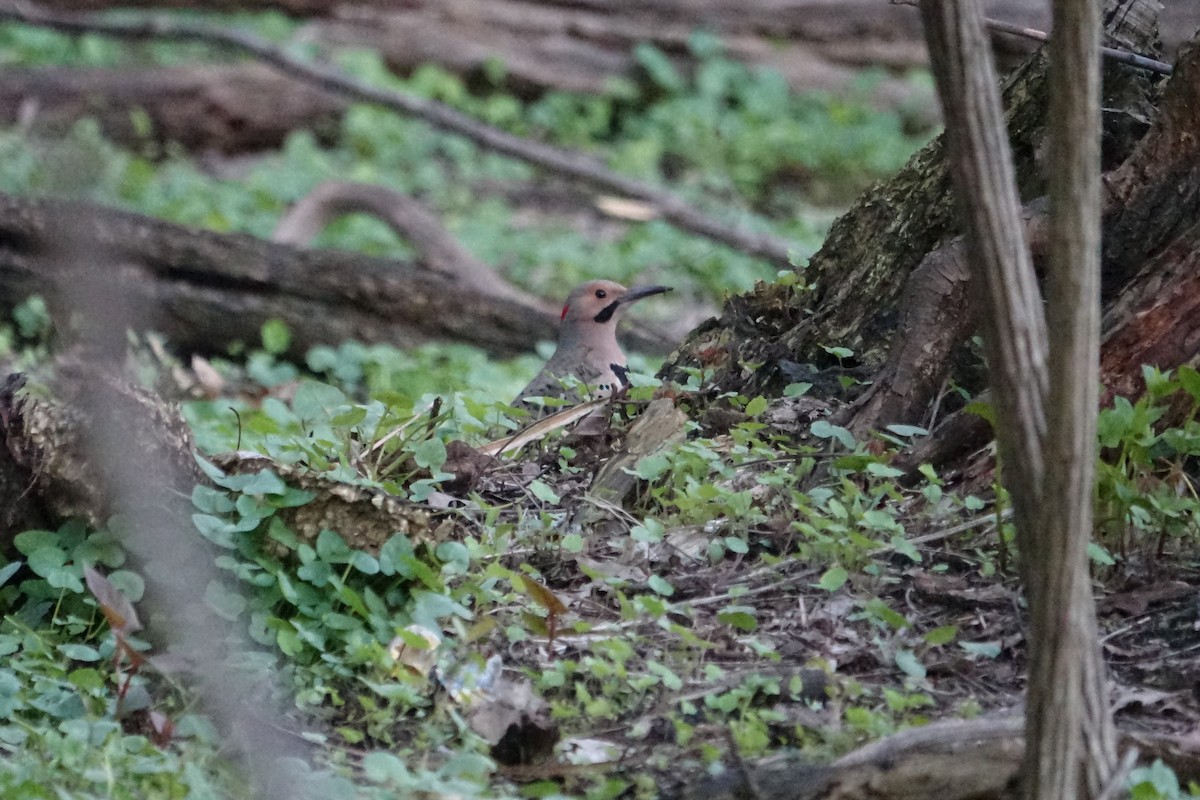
(408,217)
(946,533)
(1111,53)
(671,206)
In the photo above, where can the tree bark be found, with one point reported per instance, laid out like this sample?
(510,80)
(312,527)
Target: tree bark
(860,273)
(1069,726)
(1006,289)
(1046,428)
(1150,241)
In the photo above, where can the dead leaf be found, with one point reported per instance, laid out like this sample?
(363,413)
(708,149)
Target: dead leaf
(117,609)
(590,751)
(956,589)
(1148,699)
(542,428)
(467,465)
(470,684)
(163,729)
(611,569)
(690,541)
(416,648)
(516,722)
(543,596)
(210,382)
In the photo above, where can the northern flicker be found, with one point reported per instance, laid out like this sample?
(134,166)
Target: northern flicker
(587,342)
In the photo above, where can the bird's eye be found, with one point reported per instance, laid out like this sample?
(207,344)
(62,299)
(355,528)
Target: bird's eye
(601,293)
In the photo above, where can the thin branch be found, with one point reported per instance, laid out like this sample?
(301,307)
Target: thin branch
(671,206)
(405,215)
(946,533)
(1111,53)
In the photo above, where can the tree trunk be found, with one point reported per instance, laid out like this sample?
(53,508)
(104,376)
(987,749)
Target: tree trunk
(1072,742)
(1151,243)
(1046,427)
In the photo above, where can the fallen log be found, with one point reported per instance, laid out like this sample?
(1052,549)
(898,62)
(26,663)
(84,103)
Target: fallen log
(207,291)
(950,760)
(582,47)
(580,167)
(302,8)
(408,217)
(224,108)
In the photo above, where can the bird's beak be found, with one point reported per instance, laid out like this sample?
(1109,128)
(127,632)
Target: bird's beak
(638,292)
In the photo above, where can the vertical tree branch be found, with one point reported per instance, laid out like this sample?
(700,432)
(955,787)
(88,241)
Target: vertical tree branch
(143,483)
(1005,286)
(1045,429)
(1068,717)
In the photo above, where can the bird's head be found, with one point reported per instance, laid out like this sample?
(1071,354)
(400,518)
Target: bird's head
(599,303)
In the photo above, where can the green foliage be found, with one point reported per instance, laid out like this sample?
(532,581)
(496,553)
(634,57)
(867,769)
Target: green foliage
(59,691)
(326,610)
(739,131)
(378,419)
(324,426)
(29,46)
(728,131)
(331,610)
(32,318)
(1146,493)
(1158,782)
(745,485)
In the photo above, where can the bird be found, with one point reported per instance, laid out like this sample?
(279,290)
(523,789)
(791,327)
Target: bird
(587,343)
